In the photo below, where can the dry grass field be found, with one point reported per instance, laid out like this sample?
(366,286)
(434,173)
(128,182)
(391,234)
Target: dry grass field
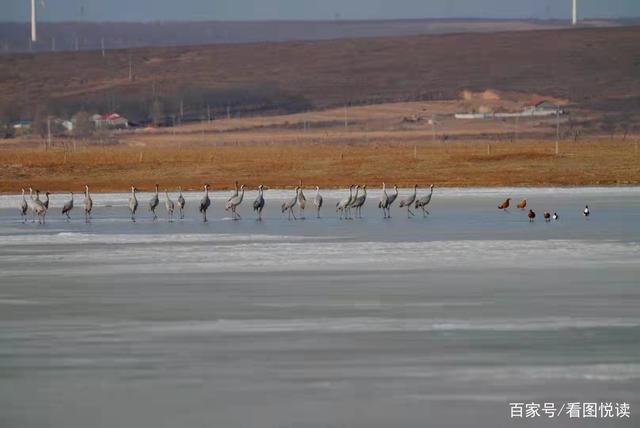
(376,145)
(526,163)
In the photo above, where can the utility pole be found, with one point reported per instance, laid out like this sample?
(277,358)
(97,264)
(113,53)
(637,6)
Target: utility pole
(557,130)
(228,112)
(208,113)
(130,69)
(346,121)
(433,127)
(102,46)
(181,108)
(48,131)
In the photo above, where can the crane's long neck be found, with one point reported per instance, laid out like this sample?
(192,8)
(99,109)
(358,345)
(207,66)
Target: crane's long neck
(156,190)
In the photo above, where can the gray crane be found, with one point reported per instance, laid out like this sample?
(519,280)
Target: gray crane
(133,203)
(342,206)
(235,193)
(409,200)
(234,203)
(168,203)
(32,204)
(88,204)
(258,204)
(181,203)
(302,201)
(66,209)
(424,201)
(290,204)
(384,200)
(387,200)
(39,208)
(24,207)
(317,201)
(359,202)
(205,202)
(153,204)
(46,201)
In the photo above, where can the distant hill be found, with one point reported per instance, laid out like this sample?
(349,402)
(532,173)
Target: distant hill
(61,36)
(588,66)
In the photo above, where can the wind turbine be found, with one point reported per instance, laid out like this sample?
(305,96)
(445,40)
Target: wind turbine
(34,38)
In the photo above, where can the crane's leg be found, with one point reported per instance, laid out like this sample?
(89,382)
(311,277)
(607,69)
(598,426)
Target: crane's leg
(318,213)
(293,214)
(410,212)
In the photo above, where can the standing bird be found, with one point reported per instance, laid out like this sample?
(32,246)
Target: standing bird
(88,204)
(317,201)
(205,202)
(384,199)
(409,201)
(181,203)
(390,200)
(290,204)
(234,203)
(46,201)
(32,204)
(424,201)
(504,204)
(39,208)
(235,192)
(302,201)
(522,204)
(341,207)
(547,216)
(556,217)
(586,211)
(133,203)
(353,201)
(168,203)
(531,215)
(258,204)
(66,209)
(24,207)
(358,203)
(153,204)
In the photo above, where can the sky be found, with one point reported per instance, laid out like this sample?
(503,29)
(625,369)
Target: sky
(239,10)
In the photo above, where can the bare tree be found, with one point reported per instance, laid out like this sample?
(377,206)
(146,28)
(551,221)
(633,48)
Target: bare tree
(83,127)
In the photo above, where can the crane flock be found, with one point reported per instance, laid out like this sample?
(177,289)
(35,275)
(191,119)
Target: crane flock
(346,209)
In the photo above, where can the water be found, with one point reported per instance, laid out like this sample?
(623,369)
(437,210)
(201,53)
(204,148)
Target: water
(365,323)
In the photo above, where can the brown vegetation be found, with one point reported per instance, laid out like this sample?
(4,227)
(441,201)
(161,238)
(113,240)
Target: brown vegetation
(326,164)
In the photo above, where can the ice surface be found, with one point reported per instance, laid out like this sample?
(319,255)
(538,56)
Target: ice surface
(407,322)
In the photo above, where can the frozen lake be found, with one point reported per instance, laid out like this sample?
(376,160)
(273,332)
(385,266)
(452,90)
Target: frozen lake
(320,323)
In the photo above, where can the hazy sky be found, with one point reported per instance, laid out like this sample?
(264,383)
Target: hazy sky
(163,10)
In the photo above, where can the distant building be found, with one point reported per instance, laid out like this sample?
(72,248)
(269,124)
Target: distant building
(535,107)
(110,121)
(538,106)
(23,125)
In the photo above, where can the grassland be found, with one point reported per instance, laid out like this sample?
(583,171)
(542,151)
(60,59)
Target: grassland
(377,144)
(468,163)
